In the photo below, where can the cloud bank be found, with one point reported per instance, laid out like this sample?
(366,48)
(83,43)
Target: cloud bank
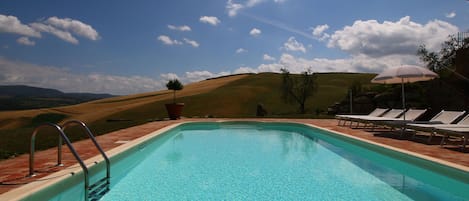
(21,73)
(371,46)
(402,37)
(62,28)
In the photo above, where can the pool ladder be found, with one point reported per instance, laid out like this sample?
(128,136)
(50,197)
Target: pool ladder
(92,192)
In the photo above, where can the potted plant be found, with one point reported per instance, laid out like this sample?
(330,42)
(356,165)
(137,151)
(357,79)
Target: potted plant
(174,109)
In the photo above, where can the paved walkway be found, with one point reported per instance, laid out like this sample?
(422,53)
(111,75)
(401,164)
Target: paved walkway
(13,172)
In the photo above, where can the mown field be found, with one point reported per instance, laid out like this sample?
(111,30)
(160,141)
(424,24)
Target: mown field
(232,97)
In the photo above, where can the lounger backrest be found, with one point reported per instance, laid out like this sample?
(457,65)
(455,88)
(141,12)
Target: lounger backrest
(393,113)
(447,117)
(464,121)
(378,112)
(412,114)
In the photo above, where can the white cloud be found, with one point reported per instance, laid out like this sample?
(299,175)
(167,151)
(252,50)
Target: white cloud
(168,41)
(233,8)
(21,73)
(358,63)
(75,26)
(267,57)
(319,30)
(11,24)
(210,20)
(196,76)
(25,41)
(293,45)
(240,50)
(64,35)
(244,69)
(252,3)
(61,28)
(191,42)
(169,76)
(255,32)
(180,28)
(451,15)
(381,39)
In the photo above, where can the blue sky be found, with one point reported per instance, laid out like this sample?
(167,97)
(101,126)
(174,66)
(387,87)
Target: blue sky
(127,47)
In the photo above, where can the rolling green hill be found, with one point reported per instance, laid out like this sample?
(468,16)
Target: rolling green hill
(20,97)
(232,96)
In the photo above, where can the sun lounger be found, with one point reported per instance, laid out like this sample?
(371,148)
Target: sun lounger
(408,116)
(375,113)
(458,132)
(442,119)
(392,114)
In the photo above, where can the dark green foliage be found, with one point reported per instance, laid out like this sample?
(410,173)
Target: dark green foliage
(443,61)
(451,65)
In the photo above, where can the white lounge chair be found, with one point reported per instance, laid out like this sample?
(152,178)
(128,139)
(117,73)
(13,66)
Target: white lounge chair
(344,117)
(408,116)
(444,118)
(392,114)
(458,132)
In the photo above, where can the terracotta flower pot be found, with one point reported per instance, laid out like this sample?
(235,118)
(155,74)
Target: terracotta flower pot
(174,110)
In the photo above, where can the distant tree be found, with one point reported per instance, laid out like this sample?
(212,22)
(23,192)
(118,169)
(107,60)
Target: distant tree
(297,89)
(174,85)
(445,58)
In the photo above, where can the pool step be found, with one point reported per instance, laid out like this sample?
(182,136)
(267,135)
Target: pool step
(98,189)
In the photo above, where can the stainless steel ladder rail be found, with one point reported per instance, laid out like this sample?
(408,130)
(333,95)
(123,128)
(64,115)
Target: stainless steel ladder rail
(102,185)
(33,144)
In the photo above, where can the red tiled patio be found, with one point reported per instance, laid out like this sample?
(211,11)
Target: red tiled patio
(14,171)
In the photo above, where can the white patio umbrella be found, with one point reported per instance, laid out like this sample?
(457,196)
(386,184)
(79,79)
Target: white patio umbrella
(404,74)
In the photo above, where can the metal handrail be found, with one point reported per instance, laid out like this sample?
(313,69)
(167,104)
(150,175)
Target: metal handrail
(64,137)
(33,143)
(69,144)
(93,139)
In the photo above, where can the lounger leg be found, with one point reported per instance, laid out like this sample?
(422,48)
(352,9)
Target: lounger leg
(413,134)
(430,138)
(464,142)
(443,140)
(402,132)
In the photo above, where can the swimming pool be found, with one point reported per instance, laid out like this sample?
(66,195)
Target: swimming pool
(269,161)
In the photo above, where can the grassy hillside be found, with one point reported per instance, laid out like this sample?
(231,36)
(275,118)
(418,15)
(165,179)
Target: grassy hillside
(232,96)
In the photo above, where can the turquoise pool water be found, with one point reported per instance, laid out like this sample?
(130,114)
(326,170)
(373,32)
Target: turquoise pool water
(272,161)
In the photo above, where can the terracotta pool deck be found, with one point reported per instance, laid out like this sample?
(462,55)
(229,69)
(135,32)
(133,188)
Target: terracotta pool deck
(13,172)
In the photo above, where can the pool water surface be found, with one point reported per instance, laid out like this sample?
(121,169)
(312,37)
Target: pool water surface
(267,161)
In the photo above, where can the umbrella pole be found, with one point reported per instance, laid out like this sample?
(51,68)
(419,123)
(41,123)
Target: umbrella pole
(403,97)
